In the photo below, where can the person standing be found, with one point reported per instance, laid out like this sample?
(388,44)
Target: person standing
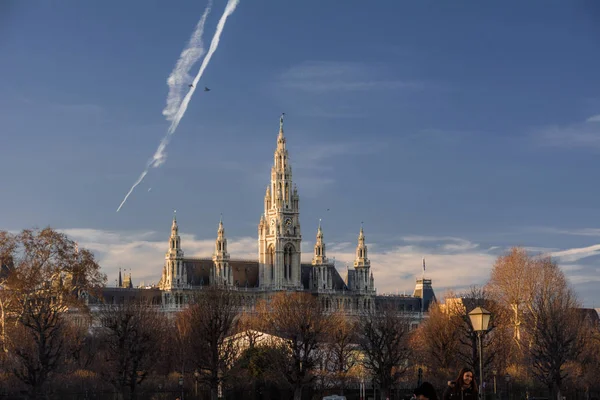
(425,392)
(463,388)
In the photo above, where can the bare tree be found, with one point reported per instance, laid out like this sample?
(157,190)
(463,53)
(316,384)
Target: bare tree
(436,341)
(555,333)
(384,340)
(511,286)
(250,327)
(258,368)
(48,276)
(131,335)
(342,348)
(206,327)
(468,349)
(45,342)
(538,306)
(582,374)
(299,319)
(8,245)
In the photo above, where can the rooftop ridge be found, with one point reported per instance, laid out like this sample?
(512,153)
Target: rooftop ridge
(211,260)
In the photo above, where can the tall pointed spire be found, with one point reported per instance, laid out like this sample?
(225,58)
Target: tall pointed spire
(222,271)
(319,256)
(278,257)
(175,275)
(281,125)
(120,278)
(281,137)
(221,230)
(174,227)
(361,250)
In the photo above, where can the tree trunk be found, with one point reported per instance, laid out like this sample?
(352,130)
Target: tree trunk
(3,335)
(383,393)
(298,393)
(132,388)
(555,391)
(214,392)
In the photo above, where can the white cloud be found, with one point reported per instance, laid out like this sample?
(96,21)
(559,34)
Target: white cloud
(396,269)
(573,136)
(452,262)
(537,249)
(580,274)
(595,118)
(572,232)
(142,254)
(445,243)
(575,254)
(330,76)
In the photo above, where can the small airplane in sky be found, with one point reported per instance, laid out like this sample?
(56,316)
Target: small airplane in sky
(205,88)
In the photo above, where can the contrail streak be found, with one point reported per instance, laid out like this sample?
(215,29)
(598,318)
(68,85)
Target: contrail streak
(229,9)
(159,156)
(180,78)
(140,179)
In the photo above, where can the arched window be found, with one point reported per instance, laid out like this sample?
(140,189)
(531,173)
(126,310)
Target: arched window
(287,261)
(271,260)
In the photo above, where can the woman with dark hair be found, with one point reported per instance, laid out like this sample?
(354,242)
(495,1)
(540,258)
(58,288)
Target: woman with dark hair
(463,388)
(425,392)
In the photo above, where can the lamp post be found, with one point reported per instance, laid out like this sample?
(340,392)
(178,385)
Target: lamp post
(181,385)
(480,319)
(494,372)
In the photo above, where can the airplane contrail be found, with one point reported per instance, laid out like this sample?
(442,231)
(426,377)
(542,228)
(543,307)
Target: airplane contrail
(159,156)
(229,9)
(180,78)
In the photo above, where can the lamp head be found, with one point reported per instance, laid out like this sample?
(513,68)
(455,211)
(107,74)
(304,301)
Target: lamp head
(480,319)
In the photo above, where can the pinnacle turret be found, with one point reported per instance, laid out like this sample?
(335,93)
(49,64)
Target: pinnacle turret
(222,270)
(319,256)
(175,274)
(174,227)
(280,137)
(361,250)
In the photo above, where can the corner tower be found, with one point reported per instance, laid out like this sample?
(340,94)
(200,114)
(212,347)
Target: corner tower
(221,275)
(174,273)
(279,237)
(364,281)
(320,276)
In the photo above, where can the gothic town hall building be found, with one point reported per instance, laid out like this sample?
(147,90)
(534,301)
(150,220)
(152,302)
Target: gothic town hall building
(279,266)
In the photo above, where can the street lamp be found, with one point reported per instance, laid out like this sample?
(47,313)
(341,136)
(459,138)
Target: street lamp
(181,385)
(480,319)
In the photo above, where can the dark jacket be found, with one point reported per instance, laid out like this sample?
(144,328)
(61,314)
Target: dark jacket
(456,393)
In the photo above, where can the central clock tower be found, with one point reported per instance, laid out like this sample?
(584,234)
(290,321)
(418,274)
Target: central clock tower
(279,237)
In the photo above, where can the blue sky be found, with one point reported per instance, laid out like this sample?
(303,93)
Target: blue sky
(454,131)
